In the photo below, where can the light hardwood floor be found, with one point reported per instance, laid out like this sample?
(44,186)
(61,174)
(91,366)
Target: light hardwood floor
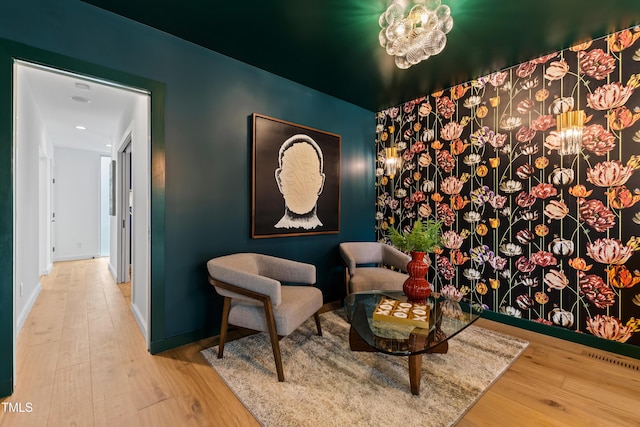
(82,361)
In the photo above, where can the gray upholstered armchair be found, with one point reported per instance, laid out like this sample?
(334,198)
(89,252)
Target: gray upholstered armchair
(255,299)
(365,266)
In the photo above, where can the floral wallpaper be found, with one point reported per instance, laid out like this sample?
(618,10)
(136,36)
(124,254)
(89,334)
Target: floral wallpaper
(528,232)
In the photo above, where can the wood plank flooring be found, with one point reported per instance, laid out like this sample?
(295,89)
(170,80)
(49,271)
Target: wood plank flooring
(82,361)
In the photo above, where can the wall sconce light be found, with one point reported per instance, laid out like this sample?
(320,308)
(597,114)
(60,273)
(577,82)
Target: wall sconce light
(416,36)
(570,125)
(391,161)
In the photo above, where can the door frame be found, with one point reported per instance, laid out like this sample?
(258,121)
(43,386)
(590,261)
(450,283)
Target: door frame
(123,218)
(11,51)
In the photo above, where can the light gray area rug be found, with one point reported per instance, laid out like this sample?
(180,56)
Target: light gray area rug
(326,384)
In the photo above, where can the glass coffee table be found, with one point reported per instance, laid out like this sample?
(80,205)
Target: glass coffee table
(394,332)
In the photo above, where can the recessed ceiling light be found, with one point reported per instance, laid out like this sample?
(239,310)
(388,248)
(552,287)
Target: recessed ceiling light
(81,99)
(83,86)
(107,145)
(79,127)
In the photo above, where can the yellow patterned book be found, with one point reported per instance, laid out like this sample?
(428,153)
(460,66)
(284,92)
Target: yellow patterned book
(405,313)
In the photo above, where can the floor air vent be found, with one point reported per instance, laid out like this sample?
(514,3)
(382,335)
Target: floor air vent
(609,359)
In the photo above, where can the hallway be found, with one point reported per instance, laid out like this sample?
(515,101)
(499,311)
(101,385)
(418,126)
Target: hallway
(82,361)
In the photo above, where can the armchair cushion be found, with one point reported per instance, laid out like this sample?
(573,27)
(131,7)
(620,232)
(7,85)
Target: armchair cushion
(358,257)
(297,305)
(259,273)
(372,278)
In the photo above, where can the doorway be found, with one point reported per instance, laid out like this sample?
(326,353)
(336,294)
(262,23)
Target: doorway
(39,92)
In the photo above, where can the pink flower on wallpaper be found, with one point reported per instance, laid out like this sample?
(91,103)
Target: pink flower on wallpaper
(596,290)
(446,270)
(445,107)
(609,96)
(609,174)
(498,263)
(552,141)
(418,147)
(525,236)
(525,134)
(556,209)
(596,63)
(408,134)
(445,214)
(543,258)
(556,70)
(497,201)
(525,106)
(525,171)
(609,251)
(424,210)
(598,140)
(525,200)
(445,161)
(498,78)
(418,197)
(409,106)
(543,123)
(543,191)
(498,140)
(556,279)
(510,122)
(526,69)
(425,109)
(596,215)
(609,328)
(451,131)
(452,240)
(525,265)
(407,155)
(393,112)
(424,160)
(408,203)
(451,185)
(530,84)
(545,58)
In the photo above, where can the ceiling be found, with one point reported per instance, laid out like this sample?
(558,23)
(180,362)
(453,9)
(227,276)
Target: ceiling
(332,45)
(97,107)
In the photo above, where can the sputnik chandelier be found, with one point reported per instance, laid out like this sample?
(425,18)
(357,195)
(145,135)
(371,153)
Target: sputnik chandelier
(418,35)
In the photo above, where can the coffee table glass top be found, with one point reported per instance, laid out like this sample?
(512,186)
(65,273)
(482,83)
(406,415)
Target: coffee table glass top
(386,334)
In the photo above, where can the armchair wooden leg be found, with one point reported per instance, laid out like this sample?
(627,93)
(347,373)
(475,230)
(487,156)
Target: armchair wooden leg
(317,317)
(271,324)
(225,325)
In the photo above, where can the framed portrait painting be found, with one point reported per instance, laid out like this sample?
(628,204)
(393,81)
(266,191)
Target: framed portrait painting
(296,179)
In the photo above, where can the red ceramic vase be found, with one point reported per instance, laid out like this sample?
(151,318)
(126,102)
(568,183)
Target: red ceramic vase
(416,287)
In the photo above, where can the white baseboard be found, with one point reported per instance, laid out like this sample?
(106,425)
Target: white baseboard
(46,271)
(112,271)
(77,257)
(22,317)
(139,320)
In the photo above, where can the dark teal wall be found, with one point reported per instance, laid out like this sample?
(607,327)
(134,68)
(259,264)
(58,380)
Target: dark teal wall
(208,102)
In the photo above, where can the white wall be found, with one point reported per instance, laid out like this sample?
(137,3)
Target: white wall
(136,123)
(77,204)
(30,141)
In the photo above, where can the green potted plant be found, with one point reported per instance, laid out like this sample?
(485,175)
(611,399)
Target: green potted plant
(424,237)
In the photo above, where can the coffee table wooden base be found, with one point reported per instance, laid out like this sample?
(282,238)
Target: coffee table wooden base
(415,361)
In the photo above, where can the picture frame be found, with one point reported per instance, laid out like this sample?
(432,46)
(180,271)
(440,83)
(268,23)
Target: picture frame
(295,179)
